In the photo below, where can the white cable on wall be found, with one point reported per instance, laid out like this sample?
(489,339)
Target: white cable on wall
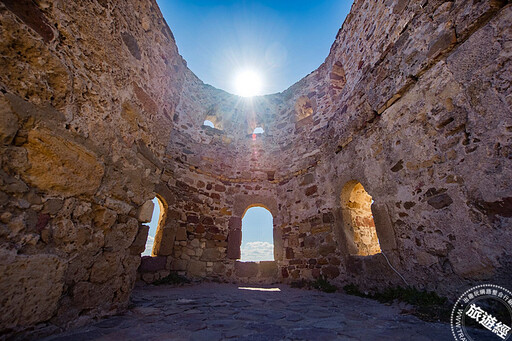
(391,266)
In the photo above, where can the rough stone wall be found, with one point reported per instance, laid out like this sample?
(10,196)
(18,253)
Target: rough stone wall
(100,113)
(423,123)
(88,92)
(403,104)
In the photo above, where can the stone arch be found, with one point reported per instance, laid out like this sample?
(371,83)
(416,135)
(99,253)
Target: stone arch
(268,211)
(167,228)
(208,123)
(214,115)
(241,204)
(358,223)
(159,229)
(217,123)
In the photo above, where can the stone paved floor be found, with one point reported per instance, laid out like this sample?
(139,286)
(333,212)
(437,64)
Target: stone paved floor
(223,311)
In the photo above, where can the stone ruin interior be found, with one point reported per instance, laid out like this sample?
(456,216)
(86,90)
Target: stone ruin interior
(396,151)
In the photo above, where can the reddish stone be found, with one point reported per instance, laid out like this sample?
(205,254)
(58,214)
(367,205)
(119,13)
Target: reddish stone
(207,220)
(219,237)
(32,16)
(221,243)
(331,271)
(322,261)
(311,190)
(200,184)
(193,219)
(213,229)
(334,261)
(235,223)
(289,253)
(215,196)
(42,221)
(200,228)
(315,273)
(220,188)
(234,242)
(284,273)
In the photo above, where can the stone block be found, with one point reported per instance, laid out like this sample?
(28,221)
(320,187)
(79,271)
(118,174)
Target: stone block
(234,242)
(139,244)
(384,227)
(289,253)
(268,269)
(164,240)
(179,265)
(145,212)
(103,217)
(196,268)
(31,287)
(61,166)
(181,233)
(311,190)
(246,269)
(105,267)
(219,268)
(440,201)
(327,249)
(211,254)
(152,264)
(331,271)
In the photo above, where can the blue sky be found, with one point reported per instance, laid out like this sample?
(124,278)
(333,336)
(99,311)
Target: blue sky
(283,40)
(257,235)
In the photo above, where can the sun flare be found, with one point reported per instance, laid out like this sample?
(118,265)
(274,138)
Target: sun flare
(248,83)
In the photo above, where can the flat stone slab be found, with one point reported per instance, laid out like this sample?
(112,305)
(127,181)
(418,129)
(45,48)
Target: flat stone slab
(212,311)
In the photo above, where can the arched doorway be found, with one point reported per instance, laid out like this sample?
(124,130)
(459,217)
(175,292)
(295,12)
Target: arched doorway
(358,220)
(257,235)
(154,225)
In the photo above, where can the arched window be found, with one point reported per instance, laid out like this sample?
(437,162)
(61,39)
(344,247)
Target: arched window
(258,130)
(208,123)
(257,235)
(154,224)
(303,108)
(358,220)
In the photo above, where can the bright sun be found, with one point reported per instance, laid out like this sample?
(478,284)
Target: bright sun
(248,83)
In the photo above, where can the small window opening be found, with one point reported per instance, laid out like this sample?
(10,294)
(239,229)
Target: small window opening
(303,108)
(258,130)
(358,219)
(257,235)
(158,210)
(208,123)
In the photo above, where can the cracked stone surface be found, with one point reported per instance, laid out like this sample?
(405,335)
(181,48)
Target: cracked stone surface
(212,311)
